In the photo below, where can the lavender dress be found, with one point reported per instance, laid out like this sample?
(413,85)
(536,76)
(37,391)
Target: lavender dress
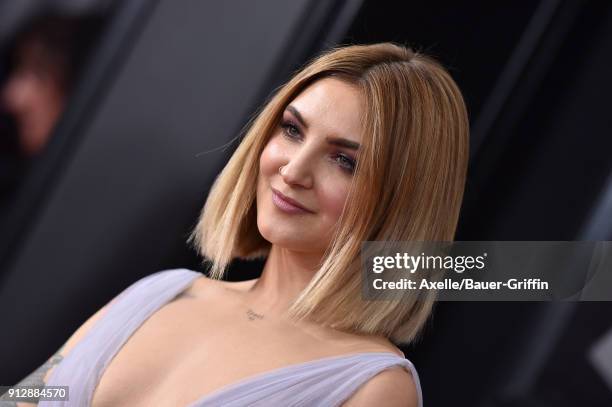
(322,382)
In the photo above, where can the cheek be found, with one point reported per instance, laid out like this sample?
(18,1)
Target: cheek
(270,159)
(269,163)
(333,198)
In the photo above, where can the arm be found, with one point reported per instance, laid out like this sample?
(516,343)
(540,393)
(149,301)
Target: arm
(390,388)
(40,376)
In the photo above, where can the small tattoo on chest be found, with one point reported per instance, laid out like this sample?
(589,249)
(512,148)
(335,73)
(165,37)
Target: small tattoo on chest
(253,315)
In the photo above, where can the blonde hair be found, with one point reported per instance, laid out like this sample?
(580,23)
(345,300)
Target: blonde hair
(409,181)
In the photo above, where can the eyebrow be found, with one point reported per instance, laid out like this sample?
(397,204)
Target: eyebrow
(338,141)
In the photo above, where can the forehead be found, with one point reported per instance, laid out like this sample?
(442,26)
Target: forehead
(332,106)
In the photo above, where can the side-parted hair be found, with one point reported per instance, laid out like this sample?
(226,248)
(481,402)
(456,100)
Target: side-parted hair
(408,185)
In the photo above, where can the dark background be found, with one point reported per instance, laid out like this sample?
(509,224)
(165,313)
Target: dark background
(121,183)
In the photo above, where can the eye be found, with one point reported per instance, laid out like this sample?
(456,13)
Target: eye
(290,129)
(346,162)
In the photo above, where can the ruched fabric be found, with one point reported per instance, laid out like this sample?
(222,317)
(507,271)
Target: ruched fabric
(325,382)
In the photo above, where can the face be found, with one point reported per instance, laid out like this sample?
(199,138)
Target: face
(310,159)
(34,96)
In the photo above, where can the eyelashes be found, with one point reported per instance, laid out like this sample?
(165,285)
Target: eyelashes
(291,131)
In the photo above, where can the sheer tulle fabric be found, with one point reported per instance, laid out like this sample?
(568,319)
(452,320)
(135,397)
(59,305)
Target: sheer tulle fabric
(323,382)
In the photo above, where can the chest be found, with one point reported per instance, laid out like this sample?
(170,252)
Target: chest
(185,351)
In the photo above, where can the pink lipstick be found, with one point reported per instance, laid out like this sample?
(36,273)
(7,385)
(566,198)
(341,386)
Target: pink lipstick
(286,204)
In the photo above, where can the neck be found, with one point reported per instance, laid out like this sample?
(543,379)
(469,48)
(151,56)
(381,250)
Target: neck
(285,274)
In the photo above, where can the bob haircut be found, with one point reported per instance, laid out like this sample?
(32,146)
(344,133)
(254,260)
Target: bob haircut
(408,185)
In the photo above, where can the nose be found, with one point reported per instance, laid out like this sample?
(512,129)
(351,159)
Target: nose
(298,169)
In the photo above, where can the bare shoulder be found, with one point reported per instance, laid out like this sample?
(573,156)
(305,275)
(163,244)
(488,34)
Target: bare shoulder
(392,387)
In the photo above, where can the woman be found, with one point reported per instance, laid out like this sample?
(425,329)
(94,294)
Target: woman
(366,142)
(44,63)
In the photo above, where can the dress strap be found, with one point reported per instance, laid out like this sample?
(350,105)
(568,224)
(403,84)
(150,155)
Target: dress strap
(84,365)
(367,367)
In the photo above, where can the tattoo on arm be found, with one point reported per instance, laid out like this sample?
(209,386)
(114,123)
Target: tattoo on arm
(36,378)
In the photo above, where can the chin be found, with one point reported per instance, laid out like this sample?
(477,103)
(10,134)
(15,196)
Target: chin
(277,235)
(283,236)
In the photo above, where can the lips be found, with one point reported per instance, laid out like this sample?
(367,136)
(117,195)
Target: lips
(287,204)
